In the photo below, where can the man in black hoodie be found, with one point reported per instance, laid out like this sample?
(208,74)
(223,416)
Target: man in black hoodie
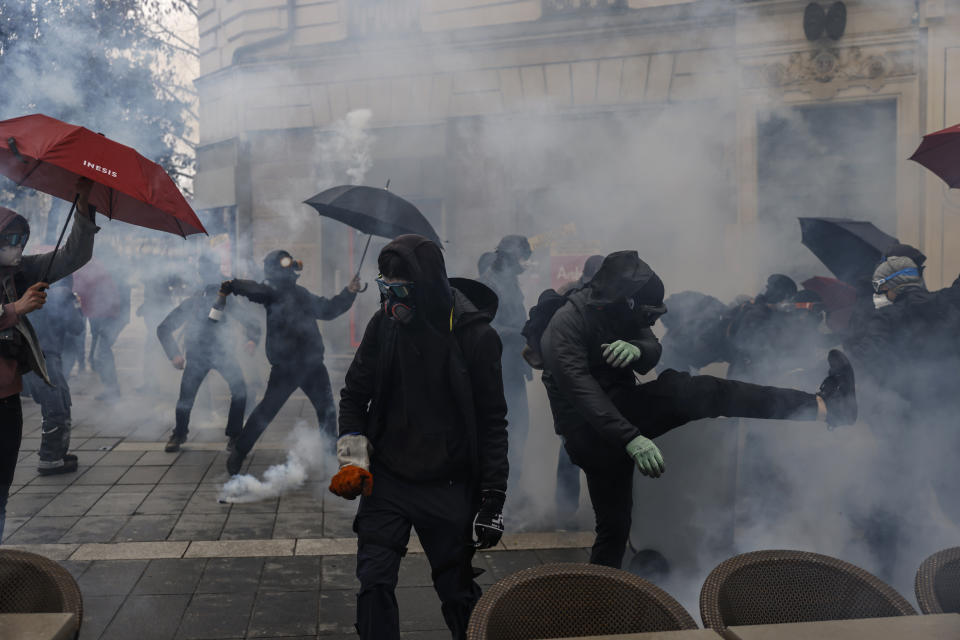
(423,435)
(294,346)
(593,347)
(207,346)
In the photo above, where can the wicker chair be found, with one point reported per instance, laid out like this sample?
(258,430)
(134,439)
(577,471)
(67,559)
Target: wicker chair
(938,582)
(570,600)
(30,583)
(772,587)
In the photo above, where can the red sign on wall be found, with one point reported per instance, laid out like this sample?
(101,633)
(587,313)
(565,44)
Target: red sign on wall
(566,268)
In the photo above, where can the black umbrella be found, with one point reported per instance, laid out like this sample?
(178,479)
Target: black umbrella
(374,211)
(850,249)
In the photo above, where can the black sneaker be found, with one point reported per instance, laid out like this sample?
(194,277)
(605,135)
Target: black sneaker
(235,461)
(67,466)
(69,457)
(838,390)
(173,444)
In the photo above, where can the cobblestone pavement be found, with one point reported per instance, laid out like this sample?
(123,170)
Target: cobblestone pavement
(157,557)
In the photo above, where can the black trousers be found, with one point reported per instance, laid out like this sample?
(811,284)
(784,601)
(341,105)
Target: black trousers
(197,368)
(283,381)
(442,514)
(11,431)
(672,400)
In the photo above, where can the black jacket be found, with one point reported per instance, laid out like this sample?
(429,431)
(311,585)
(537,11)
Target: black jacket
(473,377)
(911,346)
(293,338)
(579,382)
(202,337)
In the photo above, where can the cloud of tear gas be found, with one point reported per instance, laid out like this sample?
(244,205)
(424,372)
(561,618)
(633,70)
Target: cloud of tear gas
(671,178)
(345,149)
(309,455)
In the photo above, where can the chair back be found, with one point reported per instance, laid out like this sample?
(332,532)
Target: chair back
(938,582)
(573,599)
(31,583)
(774,587)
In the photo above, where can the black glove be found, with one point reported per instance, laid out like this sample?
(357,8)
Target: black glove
(226,287)
(488,523)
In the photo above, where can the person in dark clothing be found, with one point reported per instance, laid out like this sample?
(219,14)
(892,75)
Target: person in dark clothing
(511,253)
(55,323)
(592,349)
(161,292)
(423,435)
(294,346)
(21,293)
(567,494)
(207,347)
(485,261)
(696,332)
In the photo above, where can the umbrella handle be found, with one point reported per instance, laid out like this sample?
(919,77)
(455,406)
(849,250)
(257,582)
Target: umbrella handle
(46,273)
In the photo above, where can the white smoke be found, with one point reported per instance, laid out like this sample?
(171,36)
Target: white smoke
(310,453)
(345,149)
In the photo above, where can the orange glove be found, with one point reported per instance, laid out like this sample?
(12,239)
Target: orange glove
(351,481)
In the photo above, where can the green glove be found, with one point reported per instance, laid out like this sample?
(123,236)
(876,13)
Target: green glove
(647,456)
(620,353)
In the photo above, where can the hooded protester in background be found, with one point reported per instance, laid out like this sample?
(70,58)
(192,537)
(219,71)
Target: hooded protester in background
(294,346)
(207,346)
(593,347)
(58,321)
(22,292)
(512,252)
(423,435)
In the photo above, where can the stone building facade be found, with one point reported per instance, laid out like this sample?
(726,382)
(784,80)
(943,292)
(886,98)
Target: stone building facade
(439,75)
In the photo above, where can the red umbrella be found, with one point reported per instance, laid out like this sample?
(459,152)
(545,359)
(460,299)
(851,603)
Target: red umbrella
(49,155)
(940,152)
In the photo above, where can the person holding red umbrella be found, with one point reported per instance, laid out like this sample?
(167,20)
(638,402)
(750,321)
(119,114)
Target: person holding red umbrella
(23,290)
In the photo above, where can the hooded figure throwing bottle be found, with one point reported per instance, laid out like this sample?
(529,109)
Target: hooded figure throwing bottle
(294,346)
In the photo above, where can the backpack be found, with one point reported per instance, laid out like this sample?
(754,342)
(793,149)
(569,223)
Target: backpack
(548,304)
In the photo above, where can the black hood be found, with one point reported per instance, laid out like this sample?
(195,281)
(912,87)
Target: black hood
(424,260)
(473,301)
(624,275)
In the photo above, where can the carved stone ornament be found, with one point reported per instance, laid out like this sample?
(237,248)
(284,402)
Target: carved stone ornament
(582,6)
(823,72)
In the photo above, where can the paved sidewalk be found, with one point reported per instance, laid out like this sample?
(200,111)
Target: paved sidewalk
(156,555)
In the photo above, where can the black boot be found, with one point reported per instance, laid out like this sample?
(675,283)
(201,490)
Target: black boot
(838,391)
(235,461)
(173,444)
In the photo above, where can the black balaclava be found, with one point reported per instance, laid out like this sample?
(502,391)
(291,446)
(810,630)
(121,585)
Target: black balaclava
(280,269)
(511,253)
(12,222)
(780,288)
(627,286)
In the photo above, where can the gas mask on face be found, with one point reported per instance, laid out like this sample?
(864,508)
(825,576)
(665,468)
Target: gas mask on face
(397,300)
(880,300)
(280,266)
(11,247)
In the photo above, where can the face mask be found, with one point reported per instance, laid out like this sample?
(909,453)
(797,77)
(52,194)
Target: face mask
(397,300)
(10,256)
(880,300)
